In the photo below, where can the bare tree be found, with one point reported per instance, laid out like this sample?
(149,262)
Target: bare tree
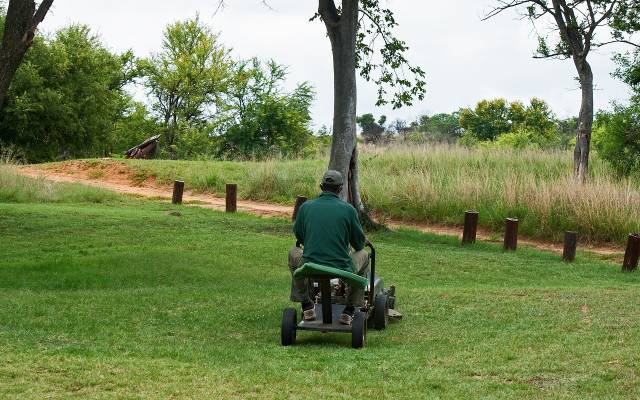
(21,23)
(574,25)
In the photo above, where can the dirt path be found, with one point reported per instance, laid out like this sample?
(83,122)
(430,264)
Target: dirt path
(119,178)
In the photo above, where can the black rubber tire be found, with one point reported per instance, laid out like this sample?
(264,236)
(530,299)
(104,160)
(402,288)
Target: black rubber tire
(288,327)
(381,311)
(358,330)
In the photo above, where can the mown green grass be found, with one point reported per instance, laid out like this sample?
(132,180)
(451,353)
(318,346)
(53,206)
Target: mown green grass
(124,300)
(437,184)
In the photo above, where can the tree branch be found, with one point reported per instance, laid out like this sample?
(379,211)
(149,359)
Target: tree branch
(328,12)
(598,45)
(38,17)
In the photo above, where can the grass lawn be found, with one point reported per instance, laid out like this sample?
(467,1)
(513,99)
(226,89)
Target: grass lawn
(123,300)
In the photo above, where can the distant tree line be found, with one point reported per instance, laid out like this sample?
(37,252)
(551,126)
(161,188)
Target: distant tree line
(492,122)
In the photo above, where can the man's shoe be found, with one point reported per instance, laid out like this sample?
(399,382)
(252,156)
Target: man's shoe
(309,313)
(346,318)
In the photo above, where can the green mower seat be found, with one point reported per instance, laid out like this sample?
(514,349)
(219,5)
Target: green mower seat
(317,271)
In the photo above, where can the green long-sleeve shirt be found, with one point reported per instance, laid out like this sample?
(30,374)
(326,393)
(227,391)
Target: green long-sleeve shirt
(326,227)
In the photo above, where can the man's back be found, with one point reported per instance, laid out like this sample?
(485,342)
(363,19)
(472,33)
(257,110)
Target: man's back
(327,226)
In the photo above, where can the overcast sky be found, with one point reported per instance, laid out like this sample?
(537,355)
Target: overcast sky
(465,59)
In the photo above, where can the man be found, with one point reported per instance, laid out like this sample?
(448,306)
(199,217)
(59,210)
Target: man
(327,226)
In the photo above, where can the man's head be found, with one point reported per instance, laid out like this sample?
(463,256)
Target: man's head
(332,181)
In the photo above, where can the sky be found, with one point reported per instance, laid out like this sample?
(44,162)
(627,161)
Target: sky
(465,59)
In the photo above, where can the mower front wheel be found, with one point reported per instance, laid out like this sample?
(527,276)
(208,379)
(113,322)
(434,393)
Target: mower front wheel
(358,330)
(381,311)
(288,327)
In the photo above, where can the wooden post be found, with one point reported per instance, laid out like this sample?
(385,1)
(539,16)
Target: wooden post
(632,254)
(570,243)
(232,198)
(178,190)
(511,234)
(300,200)
(470,227)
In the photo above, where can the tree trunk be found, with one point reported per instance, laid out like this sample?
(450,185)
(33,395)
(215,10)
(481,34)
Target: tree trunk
(342,31)
(20,26)
(585,122)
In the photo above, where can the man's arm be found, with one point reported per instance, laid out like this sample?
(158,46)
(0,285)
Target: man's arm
(357,239)
(298,225)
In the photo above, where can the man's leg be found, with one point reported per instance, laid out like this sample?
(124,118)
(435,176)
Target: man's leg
(300,286)
(355,295)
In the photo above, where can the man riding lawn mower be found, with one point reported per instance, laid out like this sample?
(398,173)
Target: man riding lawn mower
(328,279)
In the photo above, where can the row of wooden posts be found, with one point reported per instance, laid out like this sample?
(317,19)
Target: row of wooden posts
(231,197)
(631,256)
(469,234)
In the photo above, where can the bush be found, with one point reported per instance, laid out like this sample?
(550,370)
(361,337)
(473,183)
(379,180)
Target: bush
(617,138)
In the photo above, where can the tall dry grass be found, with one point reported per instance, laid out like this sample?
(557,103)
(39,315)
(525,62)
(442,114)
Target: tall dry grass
(437,184)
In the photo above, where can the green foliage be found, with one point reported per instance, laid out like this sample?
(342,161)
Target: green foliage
(134,126)
(257,118)
(399,82)
(185,80)
(617,138)
(490,119)
(524,126)
(438,128)
(629,69)
(388,70)
(372,131)
(66,97)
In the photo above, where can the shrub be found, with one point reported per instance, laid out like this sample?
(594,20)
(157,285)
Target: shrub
(617,138)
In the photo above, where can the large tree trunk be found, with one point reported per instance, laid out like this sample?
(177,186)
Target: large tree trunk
(345,97)
(342,31)
(21,23)
(585,122)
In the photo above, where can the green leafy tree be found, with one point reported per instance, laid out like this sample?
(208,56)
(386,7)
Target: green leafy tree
(440,128)
(617,138)
(66,97)
(372,131)
(512,124)
(567,132)
(617,134)
(490,119)
(575,27)
(257,118)
(629,70)
(185,80)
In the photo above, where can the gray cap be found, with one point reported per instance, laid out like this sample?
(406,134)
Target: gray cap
(332,177)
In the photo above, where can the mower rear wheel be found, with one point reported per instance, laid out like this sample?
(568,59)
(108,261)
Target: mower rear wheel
(381,311)
(288,327)
(358,330)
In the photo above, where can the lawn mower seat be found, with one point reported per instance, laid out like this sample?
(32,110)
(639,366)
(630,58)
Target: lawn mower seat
(317,271)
